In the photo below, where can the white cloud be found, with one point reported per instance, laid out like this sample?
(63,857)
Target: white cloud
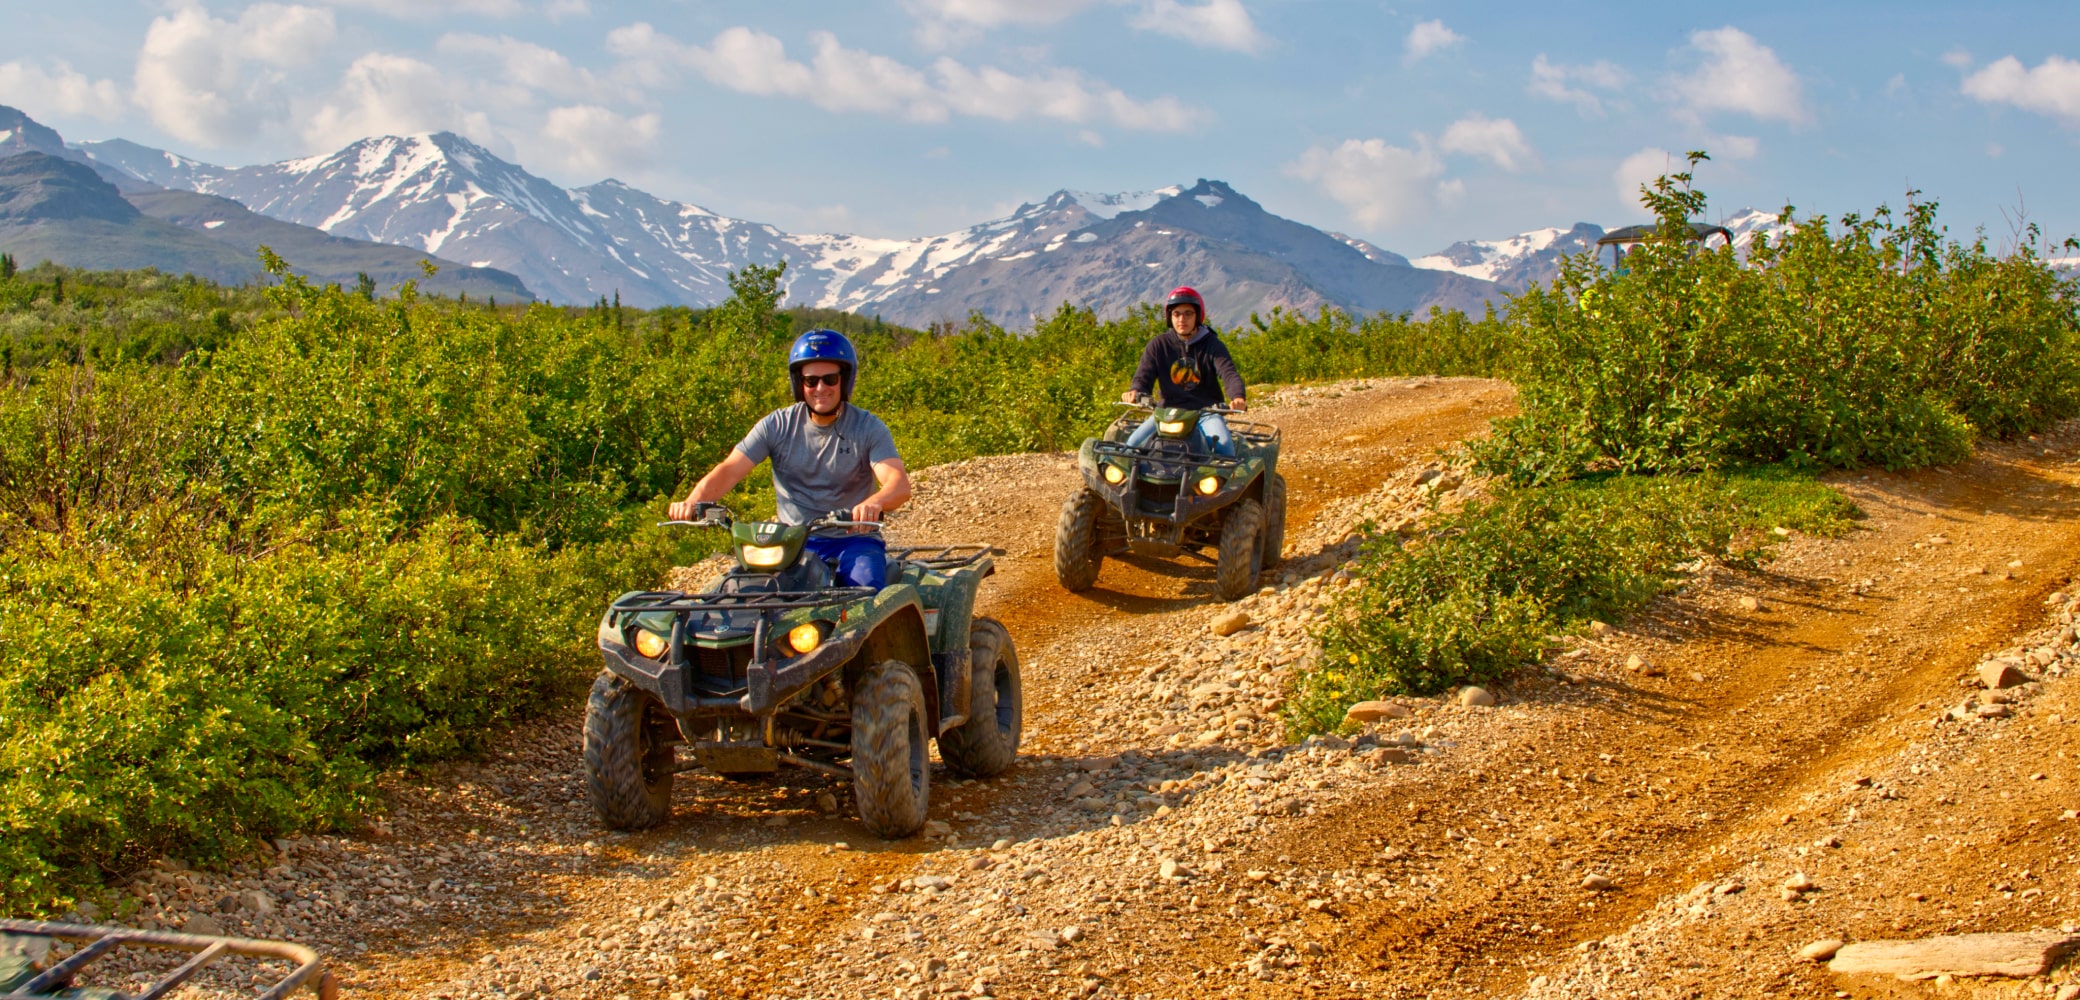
(62,90)
(384,94)
(533,67)
(1379,184)
(1897,86)
(1957,59)
(1497,140)
(1551,80)
(1733,147)
(557,10)
(944,24)
(2052,88)
(1428,37)
(590,139)
(840,79)
(1215,24)
(1642,168)
(1739,75)
(212,81)
(429,9)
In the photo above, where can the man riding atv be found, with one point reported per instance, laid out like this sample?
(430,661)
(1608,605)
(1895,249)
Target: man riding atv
(1186,359)
(827,455)
(821,649)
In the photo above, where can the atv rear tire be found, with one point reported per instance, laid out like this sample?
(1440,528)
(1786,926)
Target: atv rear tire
(1274,519)
(1241,552)
(987,743)
(1076,553)
(891,769)
(629,755)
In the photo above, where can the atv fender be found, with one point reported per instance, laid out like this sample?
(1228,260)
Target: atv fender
(952,595)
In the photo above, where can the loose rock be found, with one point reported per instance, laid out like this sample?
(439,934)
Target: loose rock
(1231,623)
(1476,697)
(1598,883)
(2017,955)
(2001,673)
(1820,951)
(1368,712)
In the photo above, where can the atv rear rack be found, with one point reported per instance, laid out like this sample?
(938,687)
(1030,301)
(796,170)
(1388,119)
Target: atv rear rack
(772,600)
(943,557)
(97,942)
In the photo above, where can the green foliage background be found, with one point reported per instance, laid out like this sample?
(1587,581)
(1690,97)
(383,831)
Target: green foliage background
(257,546)
(1679,407)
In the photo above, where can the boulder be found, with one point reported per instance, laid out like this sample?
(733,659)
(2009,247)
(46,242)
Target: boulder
(1368,712)
(1476,697)
(2001,673)
(2019,955)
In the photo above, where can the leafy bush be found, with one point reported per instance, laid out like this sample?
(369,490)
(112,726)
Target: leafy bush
(1874,341)
(1481,591)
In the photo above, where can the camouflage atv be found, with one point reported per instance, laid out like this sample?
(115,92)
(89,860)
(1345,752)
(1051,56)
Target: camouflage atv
(778,666)
(1172,496)
(27,971)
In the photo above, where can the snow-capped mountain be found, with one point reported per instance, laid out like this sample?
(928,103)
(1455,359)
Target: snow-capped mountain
(1515,262)
(1748,223)
(442,193)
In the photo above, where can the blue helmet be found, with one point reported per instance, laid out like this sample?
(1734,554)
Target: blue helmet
(822,345)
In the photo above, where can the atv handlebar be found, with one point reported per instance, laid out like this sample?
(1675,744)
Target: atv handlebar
(715,515)
(1152,407)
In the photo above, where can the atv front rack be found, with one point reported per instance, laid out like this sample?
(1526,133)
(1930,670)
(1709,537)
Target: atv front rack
(770,600)
(98,942)
(1149,453)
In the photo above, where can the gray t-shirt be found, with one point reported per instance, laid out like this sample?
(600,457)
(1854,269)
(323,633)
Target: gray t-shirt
(817,470)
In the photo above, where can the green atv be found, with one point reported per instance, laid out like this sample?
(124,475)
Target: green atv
(1173,496)
(26,968)
(777,665)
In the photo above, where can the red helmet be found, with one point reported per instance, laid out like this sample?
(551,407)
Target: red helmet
(1184,295)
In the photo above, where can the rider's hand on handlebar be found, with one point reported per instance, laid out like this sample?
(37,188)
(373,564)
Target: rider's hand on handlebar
(867,510)
(1238,404)
(1135,398)
(685,510)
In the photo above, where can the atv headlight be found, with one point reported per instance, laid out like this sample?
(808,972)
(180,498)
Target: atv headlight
(1114,474)
(651,644)
(763,556)
(804,638)
(1170,428)
(1209,484)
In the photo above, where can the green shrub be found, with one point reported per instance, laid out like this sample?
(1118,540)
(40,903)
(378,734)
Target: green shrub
(1874,341)
(1481,591)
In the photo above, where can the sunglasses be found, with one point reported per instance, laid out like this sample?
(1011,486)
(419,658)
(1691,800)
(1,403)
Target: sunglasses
(829,381)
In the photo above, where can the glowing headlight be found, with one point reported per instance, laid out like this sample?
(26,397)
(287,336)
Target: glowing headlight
(651,644)
(1113,474)
(1209,485)
(804,637)
(1170,428)
(763,556)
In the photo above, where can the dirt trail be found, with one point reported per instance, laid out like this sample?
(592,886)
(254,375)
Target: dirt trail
(1810,732)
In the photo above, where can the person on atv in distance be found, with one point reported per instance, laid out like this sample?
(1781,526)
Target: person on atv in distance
(1186,359)
(827,455)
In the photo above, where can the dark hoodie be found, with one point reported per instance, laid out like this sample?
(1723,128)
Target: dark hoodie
(1186,371)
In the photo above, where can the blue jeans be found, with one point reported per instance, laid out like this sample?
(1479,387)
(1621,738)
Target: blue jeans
(1213,434)
(861,560)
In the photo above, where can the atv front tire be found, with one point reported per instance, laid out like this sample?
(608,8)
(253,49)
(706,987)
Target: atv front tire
(1241,552)
(629,755)
(987,743)
(891,772)
(1274,519)
(1076,552)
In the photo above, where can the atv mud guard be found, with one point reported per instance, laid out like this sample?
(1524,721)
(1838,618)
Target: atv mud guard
(97,942)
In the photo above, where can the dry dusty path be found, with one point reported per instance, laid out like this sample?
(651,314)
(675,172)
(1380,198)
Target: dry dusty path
(1160,839)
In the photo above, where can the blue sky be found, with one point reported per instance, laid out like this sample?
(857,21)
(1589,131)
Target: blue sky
(1412,125)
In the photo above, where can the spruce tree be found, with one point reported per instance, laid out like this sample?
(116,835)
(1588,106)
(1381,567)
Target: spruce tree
(7,267)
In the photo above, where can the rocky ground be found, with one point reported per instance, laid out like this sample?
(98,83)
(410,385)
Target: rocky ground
(1867,739)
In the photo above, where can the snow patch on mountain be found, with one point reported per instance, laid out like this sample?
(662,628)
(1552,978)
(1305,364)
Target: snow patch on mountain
(1105,206)
(1485,259)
